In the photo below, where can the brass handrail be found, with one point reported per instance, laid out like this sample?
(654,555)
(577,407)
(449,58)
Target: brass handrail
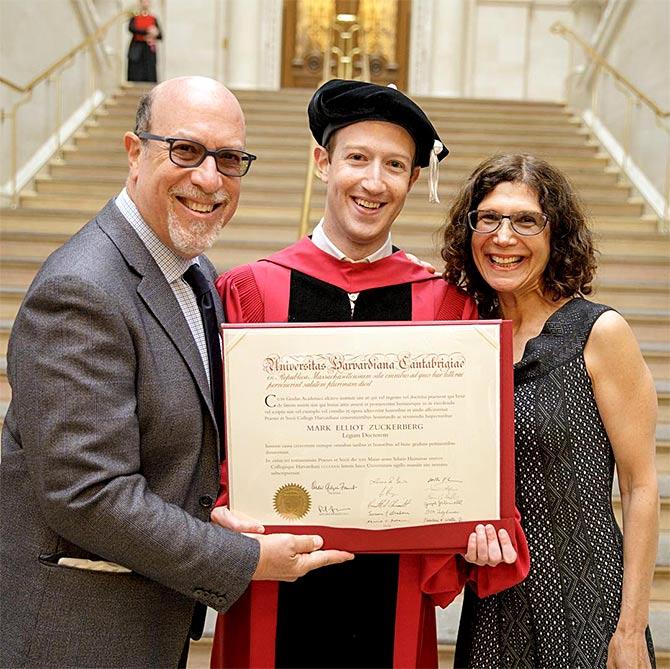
(633,96)
(559,29)
(345,53)
(53,74)
(14,87)
(93,37)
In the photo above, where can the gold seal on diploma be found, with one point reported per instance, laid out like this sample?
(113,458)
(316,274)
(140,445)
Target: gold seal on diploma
(292,501)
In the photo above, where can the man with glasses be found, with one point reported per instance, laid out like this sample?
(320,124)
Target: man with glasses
(377,611)
(111,443)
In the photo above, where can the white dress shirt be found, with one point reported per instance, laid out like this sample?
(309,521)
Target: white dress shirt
(321,241)
(173,267)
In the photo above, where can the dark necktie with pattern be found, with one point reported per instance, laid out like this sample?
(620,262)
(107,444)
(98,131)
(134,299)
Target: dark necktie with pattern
(202,289)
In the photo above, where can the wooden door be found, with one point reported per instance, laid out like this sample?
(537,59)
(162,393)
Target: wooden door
(308,32)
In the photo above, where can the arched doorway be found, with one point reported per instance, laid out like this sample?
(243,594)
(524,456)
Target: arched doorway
(307,33)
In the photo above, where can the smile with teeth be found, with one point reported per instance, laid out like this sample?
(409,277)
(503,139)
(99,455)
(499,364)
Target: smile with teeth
(200,207)
(505,261)
(367,204)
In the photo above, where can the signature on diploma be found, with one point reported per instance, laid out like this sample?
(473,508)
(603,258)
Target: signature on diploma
(332,510)
(442,500)
(388,480)
(389,503)
(390,497)
(443,483)
(333,487)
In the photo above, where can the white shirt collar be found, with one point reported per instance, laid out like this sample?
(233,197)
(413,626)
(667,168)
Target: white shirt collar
(170,264)
(321,241)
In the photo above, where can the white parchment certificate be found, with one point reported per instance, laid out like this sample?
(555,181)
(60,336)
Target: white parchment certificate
(369,427)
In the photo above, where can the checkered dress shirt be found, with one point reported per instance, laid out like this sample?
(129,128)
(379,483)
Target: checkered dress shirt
(173,267)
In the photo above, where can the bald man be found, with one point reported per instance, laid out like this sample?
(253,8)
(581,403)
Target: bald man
(110,447)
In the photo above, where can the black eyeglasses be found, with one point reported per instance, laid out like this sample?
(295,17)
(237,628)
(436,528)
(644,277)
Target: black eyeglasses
(525,223)
(187,153)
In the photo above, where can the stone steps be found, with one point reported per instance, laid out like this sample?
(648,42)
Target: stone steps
(240,237)
(416,228)
(634,267)
(288,171)
(622,293)
(657,357)
(428,222)
(662,450)
(290,137)
(291,181)
(90,204)
(201,650)
(466,156)
(663,395)
(289,191)
(479,146)
(282,115)
(282,101)
(450,124)
(651,326)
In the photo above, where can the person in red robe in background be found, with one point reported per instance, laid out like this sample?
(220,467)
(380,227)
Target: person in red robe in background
(142,49)
(377,610)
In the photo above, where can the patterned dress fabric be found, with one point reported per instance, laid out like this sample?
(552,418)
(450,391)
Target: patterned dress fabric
(565,612)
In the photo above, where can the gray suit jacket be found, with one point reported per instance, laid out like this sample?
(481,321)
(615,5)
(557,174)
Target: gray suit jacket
(109,450)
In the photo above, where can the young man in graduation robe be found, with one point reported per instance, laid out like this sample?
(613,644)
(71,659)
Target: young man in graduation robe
(377,610)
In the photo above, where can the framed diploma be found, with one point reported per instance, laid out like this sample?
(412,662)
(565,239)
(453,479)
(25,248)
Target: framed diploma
(380,437)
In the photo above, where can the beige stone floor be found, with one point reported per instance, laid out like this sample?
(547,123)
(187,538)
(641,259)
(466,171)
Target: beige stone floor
(198,657)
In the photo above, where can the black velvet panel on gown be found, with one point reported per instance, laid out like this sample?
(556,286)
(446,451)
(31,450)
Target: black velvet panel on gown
(342,615)
(313,301)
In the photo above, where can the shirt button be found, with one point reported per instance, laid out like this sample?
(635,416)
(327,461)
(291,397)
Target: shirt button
(206,502)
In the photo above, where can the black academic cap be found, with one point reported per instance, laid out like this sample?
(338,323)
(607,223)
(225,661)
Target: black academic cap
(340,102)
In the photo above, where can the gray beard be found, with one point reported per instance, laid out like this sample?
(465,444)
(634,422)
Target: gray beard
(192,238)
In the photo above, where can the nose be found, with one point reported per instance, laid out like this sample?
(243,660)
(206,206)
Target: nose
(373,181)
(206,176)
(504,235)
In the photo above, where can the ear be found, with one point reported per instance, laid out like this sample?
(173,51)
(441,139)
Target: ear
(322,161)
(133,146)
(413,177)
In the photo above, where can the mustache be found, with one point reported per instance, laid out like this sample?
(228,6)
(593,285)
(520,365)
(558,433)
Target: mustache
(193,193)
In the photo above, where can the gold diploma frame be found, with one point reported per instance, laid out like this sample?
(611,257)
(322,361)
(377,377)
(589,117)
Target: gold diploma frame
(380,437)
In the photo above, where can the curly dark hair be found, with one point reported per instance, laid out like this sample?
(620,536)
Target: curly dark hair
(572,258)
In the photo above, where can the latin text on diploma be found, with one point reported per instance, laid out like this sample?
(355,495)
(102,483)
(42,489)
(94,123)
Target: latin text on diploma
(367,427)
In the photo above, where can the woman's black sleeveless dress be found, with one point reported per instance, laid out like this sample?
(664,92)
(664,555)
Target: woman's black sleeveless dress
(565,612)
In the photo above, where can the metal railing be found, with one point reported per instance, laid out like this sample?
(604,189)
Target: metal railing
(634,98)
(52,75)
(345,32)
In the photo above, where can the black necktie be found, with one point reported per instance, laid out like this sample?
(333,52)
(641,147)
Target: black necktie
(202,289)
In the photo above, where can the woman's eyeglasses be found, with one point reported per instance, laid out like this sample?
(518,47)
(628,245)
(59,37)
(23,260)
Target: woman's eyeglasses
(526,223)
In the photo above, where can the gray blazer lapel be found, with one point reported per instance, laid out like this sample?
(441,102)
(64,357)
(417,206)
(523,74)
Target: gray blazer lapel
(156,293)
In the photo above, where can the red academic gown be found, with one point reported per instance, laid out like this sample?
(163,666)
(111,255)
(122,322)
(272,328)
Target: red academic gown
(287,286)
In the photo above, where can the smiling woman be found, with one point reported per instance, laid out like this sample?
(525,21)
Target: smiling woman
(518,242)
(537,187)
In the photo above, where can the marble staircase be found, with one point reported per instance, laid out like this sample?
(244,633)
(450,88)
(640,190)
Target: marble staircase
(634,266)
